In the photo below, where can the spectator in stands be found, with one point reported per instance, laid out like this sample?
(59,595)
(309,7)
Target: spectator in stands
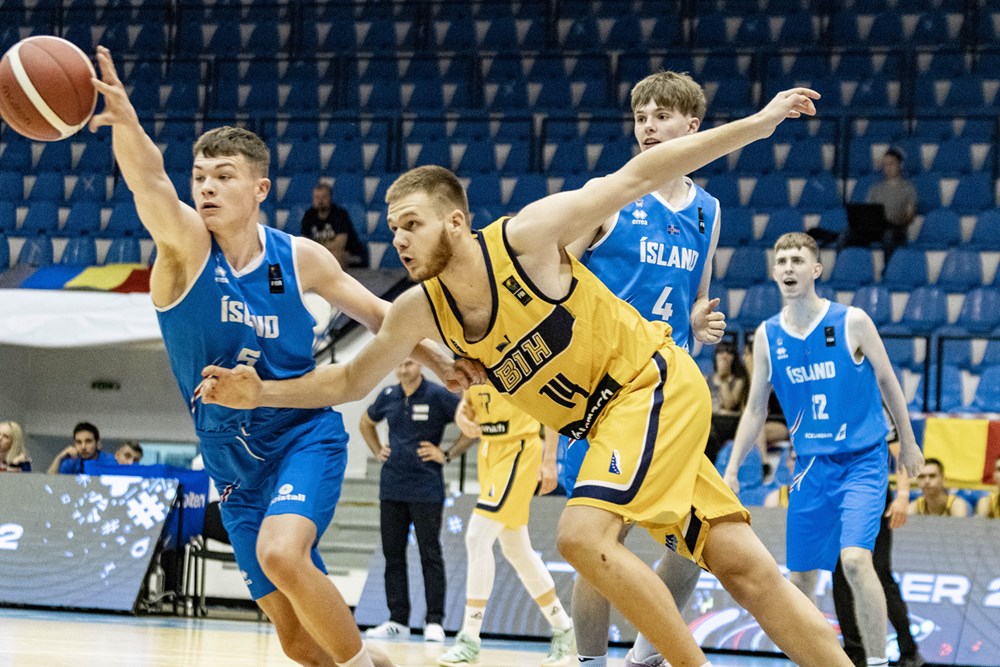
(330,226)
(13,455)
(988,506)
(899,199)
(728,384)
(936,501)
(411,491)
(86,447)
(129,453)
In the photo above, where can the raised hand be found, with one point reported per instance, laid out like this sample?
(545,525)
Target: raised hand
(117,107)
(788,104)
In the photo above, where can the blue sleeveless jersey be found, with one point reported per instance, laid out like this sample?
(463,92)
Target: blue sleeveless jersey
(255,317)
(831,402)
(654,256)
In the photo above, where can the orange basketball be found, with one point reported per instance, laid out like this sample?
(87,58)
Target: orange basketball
(45,88)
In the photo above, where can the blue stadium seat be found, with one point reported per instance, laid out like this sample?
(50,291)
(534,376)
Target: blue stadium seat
(614,154)
(433,153)
(861,187)
(4,253)
(124,250)
(11,186)
(8,217)
(954,157)
(84,218)
(833,220)
(15,154)
(36,251)
(770,191)
(928,191)
(90,187)
(726,188)
(887,29)
(907,269)
(55,156)
(348,156)
(737,227)
(49,186)
(821,192)
(569,157)
(805,157)
(781,221)
(747,266)
(42,217)
(951,391)
(853,269)
(956,352)
(961,270)
(987,398)
(876,300)
(926,310)
(980,314)
(940,230)
(484,190)
(760,302)
(528,188)
(931,28)
(986,231)
(973,195)
(710,30)
(80,251)
(900,350)
(124,220)
(756,158)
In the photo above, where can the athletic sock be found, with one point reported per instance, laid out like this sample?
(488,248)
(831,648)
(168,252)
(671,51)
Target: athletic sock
(362,659)
(557,616)
(593,660)
(472,623)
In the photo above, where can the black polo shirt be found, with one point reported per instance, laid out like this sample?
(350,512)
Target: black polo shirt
(412,419)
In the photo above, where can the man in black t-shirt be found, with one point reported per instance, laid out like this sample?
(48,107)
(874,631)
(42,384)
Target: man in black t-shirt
(330,225)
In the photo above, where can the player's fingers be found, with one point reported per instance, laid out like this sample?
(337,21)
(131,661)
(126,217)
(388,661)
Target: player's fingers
(216,371)
(110,74)
(713,303)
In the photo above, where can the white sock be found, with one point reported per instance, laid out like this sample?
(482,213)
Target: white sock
(593,660)
(557,616)
(362,659)
(878,662)
(472,622)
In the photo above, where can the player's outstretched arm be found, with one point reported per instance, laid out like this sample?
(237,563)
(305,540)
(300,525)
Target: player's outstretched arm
(168,220)
(755,412)
(870,344)
(567,216)
(407,322)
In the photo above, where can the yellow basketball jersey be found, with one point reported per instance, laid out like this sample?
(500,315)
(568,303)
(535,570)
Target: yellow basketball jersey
(994,505)
(498,419)
(922,506)
(560,360)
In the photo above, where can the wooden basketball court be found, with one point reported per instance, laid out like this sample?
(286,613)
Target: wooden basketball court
(57,639)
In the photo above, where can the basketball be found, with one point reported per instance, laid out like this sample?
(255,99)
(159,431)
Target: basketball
(45,88)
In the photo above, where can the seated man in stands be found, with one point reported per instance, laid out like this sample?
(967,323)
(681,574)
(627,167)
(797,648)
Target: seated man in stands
(989,506)
(86,447)
(936,501)
(129,453)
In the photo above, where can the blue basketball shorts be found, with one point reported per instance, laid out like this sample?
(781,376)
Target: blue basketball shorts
(306,480)
(835,502)
(570,455)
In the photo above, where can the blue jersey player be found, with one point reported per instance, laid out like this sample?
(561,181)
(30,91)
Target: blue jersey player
(656,254)
(228,290)
(830,372)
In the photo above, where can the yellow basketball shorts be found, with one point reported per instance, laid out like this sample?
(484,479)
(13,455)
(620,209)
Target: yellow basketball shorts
(508,476)
(647,463)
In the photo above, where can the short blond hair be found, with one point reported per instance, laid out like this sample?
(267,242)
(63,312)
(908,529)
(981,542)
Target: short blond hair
(671,90)
(434,181)
(794,240)
(229,141)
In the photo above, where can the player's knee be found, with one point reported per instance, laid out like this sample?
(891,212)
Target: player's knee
(572,544)
(856,562)
(280,563)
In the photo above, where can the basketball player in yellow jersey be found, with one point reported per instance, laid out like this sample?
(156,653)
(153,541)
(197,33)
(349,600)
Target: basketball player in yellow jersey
(511,466)
(989,506)
(564,349)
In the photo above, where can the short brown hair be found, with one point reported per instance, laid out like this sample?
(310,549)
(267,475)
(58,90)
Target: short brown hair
(793,240)
(436,182)
(670,90)
(227,141)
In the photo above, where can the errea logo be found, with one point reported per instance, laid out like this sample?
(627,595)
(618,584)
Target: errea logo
(220,275)
(285,493)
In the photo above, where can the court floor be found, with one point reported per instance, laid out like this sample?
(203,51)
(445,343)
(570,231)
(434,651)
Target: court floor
(49,638)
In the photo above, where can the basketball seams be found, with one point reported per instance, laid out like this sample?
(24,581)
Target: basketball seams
(24,81)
